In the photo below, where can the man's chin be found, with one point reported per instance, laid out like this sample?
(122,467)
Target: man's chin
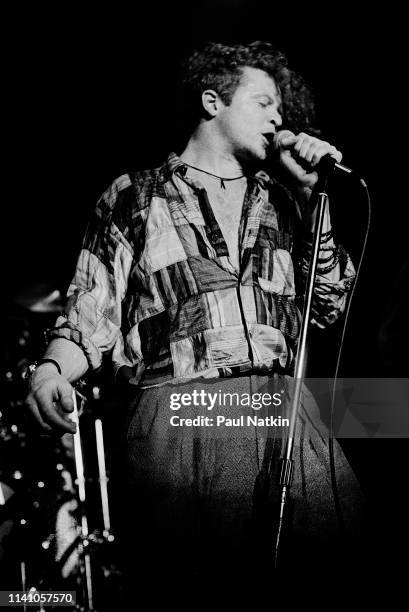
(254,156)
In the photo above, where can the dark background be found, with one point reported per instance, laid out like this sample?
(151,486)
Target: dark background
(91,95)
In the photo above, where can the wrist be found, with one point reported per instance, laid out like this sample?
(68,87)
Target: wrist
(46,368)
(40,371)
(46,360)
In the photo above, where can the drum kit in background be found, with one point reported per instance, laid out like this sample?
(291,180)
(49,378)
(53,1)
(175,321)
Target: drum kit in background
(55,513)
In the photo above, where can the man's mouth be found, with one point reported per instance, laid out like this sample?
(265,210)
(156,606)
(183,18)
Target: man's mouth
(268,139)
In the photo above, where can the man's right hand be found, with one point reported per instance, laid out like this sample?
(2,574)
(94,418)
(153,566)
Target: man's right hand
(50,400)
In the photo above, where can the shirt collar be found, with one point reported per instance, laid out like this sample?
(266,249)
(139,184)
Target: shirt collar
(174,165)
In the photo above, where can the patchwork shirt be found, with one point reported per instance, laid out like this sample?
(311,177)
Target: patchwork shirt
(154,285)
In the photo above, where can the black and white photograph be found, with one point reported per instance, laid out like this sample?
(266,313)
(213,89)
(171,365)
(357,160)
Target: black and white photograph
(204,373)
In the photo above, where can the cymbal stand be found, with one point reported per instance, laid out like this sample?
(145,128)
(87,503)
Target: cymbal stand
(79,466)
(103,480)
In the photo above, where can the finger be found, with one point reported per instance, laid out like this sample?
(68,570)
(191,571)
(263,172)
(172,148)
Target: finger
(31,404)
(319,153)
(50,414)
(287,141)
(337,155)
(307,149)
(323,150)
(309,152)
(64,397)
(315,146)
(302,141)
(292,164)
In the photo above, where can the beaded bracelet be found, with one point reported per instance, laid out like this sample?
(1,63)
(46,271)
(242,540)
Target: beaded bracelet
(326,236)
(331,266)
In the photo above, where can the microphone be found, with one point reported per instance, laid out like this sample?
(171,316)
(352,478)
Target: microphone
(327,162)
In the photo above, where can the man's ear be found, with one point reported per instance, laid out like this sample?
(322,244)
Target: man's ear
(211,102)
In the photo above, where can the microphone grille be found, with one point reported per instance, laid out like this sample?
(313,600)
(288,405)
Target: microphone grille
(280,136)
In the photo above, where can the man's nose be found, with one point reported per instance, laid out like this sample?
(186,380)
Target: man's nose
(276,118)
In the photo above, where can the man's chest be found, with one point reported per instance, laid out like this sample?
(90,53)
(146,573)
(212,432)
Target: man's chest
(227,207)
(228,219)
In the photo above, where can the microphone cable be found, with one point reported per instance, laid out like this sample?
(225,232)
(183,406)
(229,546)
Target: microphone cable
(333,390)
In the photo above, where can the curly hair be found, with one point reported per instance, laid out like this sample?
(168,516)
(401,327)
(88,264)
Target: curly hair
(219,67)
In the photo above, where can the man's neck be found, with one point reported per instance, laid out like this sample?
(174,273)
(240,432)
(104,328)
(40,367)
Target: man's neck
(208,153)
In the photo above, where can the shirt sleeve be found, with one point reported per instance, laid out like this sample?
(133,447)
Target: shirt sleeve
(334,277)
(92,317)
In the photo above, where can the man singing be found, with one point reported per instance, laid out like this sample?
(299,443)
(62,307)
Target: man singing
(191,278)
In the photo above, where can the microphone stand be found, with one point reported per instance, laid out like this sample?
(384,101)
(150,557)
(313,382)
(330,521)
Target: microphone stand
(287,462)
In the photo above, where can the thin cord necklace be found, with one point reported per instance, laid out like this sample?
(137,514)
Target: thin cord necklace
(222,179)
